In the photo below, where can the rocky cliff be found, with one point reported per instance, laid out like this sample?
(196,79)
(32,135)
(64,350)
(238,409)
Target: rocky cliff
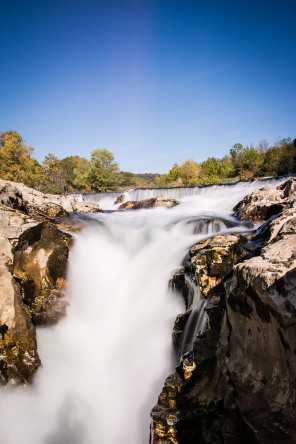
(33,261)
(237,384)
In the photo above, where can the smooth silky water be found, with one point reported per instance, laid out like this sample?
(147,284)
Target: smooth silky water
(104,365)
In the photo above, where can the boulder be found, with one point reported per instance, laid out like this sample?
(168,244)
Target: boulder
(266,202)
(167,202)
(40,265)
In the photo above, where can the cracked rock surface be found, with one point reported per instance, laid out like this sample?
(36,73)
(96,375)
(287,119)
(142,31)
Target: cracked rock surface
(238,383)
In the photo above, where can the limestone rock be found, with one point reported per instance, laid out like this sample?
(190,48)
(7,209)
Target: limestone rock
(167,202)
(212,260)
(266,202)
(40,265)
(238,383)
(19,359)
(39,205)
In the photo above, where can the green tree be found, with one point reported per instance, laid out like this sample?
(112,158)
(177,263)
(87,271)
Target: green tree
(247,161)
(174,173)
(104,169)
(211,170)
(190,171)
(227,168)
(81,174)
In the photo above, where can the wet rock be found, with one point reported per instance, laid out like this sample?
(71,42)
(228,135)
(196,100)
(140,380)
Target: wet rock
(119,199)
(238,384)
(19,359)
(167,202)
(212,260)
(40,264)
(266,202)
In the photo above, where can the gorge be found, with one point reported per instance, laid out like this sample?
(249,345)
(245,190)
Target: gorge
(104,364)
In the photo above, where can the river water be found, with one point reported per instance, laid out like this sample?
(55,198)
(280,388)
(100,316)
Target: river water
(104,365)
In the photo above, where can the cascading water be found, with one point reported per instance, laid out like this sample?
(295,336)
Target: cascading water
(105,363)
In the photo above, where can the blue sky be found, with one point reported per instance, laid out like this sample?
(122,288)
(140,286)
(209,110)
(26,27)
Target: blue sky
(153,81)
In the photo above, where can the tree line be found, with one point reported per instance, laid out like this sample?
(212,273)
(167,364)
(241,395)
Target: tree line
(69,175)
(101,172)
(242,163)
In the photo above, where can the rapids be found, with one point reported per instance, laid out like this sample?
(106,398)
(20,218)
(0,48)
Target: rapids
(104,365)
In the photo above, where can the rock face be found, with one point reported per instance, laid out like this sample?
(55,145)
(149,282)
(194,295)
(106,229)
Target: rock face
(266,202)
(167,202)
(32,283)
(18,348)
(238,383)
(40,265)
(39,205)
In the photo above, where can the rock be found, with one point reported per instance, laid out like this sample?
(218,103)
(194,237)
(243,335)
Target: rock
(119,199)
(266,202)
(167,202)
(212,260)
(40,264)
(238,383)
(39,205)
(86,207)
(19,359)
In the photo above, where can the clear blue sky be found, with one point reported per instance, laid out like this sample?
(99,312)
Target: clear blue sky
(153,81)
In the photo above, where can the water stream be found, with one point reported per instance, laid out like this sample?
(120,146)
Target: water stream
(104,365)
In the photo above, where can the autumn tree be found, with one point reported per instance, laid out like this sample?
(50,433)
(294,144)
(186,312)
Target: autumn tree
(55,178)
(16,163)
(189,172)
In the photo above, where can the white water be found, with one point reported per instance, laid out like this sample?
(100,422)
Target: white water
(105,363)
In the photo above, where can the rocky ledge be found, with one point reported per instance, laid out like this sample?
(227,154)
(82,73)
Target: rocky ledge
(237,384)
(33,261)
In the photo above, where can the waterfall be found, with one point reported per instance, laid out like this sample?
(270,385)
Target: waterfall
(104,365)
(107,200)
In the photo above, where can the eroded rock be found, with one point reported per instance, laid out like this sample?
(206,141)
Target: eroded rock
(167,202)
(40,265)
(238,384)
(39,205)
(266,202)
(19,359)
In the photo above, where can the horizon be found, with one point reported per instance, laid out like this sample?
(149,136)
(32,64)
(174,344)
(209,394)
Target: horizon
(152,82)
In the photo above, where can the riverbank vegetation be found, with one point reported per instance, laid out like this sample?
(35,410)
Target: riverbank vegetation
(102,173)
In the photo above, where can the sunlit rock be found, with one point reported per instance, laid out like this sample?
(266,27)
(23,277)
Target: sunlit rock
(40,265)
(167,202)
(266,202)
(19,359)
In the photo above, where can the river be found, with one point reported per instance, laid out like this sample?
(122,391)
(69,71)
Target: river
(104,365)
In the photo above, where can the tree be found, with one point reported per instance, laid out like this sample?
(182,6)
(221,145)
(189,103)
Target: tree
(104,169)
(227,168)
(55,178)
(14,156)
(174,173)
(247,161)
(211,170)
(81,174)
(189,172)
